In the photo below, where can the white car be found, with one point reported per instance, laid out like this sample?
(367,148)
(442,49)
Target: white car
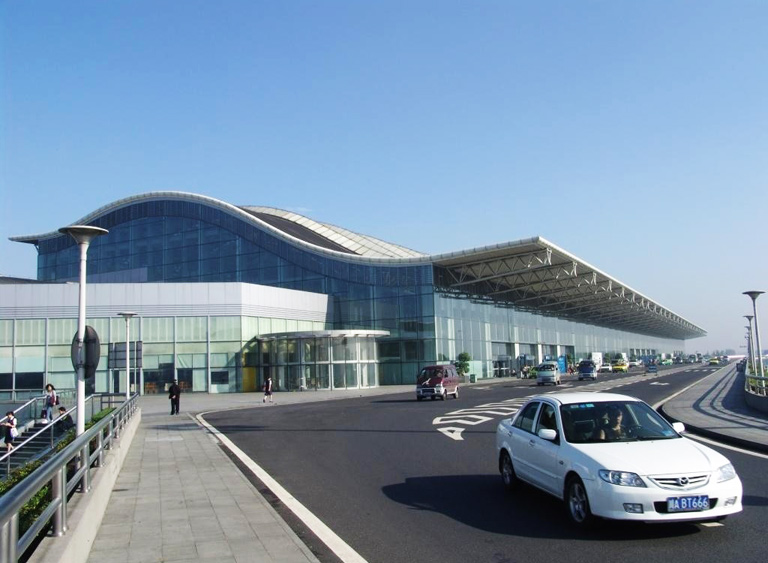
(635,363)
(605,368)
(612,456)
(547,372)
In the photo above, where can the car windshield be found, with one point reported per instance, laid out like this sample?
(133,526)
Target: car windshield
(432,372)
(546,367)
(615,421)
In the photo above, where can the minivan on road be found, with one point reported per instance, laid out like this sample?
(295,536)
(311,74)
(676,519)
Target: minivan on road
(437,382)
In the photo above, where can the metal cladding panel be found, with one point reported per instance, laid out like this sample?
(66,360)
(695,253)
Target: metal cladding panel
(161,300)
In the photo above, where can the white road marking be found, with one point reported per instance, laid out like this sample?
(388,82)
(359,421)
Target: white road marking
(339,547)
(722,445)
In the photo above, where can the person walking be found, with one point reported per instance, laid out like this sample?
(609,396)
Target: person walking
(267,390)
(51,400)
(173,394)
(11,432)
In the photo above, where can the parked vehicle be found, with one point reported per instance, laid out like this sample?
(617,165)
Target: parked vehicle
(437,381)
(548,372)
(612,456)
(587,370)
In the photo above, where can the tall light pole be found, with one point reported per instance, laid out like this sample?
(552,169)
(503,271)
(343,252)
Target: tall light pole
(83,235)
(127,316)
(754,295)
(750,350)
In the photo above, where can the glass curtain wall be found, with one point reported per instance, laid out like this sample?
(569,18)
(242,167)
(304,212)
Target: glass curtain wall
(319,363)
(183,241)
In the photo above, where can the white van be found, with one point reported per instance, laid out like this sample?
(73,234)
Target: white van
(548,372)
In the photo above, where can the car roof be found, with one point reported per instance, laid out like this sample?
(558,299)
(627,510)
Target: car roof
(568,398)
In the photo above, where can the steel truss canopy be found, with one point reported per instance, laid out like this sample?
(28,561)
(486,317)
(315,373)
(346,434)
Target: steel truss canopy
(535,275)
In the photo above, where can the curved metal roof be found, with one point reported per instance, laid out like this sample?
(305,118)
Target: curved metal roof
(529,274)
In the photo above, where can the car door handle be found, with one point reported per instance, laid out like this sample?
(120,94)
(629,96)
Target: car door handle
(531,443)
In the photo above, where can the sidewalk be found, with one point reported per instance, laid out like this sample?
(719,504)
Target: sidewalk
(715,408)
(179,498)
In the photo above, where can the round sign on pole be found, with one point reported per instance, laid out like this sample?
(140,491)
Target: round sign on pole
(91,352)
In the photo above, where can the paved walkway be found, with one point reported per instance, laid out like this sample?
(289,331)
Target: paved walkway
(715,408)
(179,498)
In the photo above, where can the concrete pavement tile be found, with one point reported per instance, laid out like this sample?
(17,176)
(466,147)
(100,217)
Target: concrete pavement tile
(213,548)
(145,555)
(186,550)
(111,555)
(115,543)
(270,530)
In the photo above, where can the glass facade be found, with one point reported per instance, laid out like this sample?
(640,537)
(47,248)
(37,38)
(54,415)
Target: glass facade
(321,361)
(182,241)
(174,239)
(205,354)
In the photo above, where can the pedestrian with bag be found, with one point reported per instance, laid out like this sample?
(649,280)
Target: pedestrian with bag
(267,390)
(173,394)
(11,432)
(51,400)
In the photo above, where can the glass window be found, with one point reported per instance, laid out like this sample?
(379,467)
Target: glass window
(157,329)
(62,331)
(225,328)
(31,331)
(191,329)
(350,371)
(367,349)
(30,358)
(338,376)
(525,420)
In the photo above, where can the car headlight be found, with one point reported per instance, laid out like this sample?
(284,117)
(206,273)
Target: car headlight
(725,473)
(623,478)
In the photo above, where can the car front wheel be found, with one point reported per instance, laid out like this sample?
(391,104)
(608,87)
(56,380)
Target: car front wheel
(578,503)
(508,476)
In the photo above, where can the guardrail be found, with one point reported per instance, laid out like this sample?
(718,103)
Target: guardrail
(55,472)
(756,385)
(33,410)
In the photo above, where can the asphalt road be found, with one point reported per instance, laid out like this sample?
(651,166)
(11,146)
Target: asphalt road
(405,481)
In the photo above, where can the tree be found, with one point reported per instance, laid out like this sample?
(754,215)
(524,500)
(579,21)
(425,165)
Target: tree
(462,364)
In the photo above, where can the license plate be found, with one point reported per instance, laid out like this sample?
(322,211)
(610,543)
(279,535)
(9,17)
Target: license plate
(688,504)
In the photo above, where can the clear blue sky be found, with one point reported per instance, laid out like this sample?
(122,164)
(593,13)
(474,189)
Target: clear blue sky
(632,134)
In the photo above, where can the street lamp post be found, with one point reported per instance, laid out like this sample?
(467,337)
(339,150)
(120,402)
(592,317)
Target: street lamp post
(750,350)
(754,295)
(127,316)
(83,235)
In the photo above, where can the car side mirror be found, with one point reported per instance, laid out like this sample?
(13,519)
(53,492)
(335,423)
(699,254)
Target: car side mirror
(679,427)
(548,434)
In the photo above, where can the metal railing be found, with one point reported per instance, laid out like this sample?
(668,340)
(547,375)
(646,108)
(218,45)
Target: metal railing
(756,385)
(33,410)
(65,472)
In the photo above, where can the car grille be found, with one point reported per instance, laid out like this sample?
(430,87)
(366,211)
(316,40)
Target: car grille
(681,482)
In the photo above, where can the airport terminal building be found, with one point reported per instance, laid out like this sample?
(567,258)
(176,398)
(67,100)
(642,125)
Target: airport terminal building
(225,295)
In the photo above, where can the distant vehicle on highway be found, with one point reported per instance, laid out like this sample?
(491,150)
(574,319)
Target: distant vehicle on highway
(714,361)
(635,363)
(605,368)
(619,366)
(612,456)
(587,370)
(666,362)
